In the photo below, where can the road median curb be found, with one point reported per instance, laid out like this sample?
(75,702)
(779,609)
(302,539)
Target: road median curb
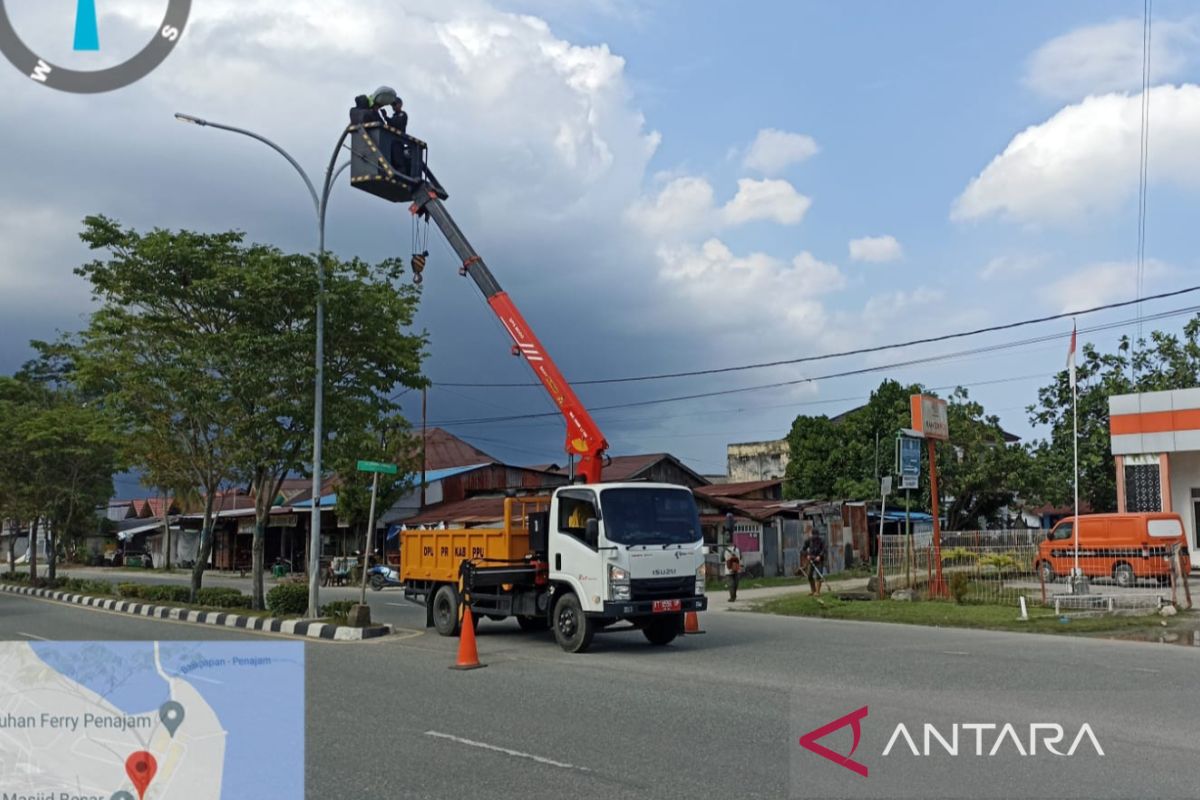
(302,629)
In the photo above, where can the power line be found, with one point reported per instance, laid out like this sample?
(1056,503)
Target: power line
(1143,160)
(830,376)
(842,354)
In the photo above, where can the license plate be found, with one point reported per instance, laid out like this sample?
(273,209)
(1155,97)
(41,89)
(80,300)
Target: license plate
(662,606)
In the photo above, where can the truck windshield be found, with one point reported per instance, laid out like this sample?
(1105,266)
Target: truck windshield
(650,516)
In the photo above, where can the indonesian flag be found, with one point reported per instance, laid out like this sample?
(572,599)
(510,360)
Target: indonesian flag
(1071,358)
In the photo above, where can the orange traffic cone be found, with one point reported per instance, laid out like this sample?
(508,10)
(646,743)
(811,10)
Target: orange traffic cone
(691,623)
(468,654)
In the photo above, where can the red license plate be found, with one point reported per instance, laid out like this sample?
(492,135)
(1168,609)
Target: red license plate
(662,606)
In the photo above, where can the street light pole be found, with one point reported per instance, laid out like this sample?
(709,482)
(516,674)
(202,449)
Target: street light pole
(320,205)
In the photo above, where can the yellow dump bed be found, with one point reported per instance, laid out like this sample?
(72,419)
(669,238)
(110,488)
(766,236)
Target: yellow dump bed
(436,555)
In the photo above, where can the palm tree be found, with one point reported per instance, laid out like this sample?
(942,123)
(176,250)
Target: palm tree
(87,33)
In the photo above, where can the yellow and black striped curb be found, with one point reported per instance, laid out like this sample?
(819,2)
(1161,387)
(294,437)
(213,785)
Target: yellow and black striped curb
(304,629)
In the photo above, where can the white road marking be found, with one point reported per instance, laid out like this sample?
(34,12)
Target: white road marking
(399,605)
(955,653)
(514,753)
(1145,669)
(31,636)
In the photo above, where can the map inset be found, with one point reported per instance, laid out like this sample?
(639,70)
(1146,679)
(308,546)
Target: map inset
(151,720)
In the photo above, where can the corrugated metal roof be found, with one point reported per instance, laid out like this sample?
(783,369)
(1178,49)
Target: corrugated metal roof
(736,489)
(444,450)
(438,474)
(473,511)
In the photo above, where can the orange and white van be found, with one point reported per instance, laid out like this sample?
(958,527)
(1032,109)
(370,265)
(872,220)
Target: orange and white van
(1124,547)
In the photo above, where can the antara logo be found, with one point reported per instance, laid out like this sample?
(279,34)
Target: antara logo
(854,719)
(1047,735)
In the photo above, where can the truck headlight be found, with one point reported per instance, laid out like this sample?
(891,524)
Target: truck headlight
(700,579)
(619,587)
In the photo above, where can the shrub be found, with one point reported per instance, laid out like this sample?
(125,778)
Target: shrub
(17,577)
(166,594)
(338,610)
(288,598)
(223,597)
(131,591)
(959,583)
(959,555)
(85,586)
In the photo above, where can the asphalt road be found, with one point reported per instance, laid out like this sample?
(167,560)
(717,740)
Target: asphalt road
(717,715)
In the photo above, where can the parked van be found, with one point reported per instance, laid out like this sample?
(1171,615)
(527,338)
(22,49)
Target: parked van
(1124,547)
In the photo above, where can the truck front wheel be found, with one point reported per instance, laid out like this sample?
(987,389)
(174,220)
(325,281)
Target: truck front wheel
(663,631)
(572,628)
(445,611)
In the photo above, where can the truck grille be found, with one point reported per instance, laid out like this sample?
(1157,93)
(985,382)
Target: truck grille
(663,588)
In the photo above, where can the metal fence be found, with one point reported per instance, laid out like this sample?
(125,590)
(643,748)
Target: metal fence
(1002,566)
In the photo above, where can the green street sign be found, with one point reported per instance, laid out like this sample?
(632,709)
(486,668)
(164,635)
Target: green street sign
(375,466)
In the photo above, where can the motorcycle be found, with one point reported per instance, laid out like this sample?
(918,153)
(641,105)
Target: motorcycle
(381,576)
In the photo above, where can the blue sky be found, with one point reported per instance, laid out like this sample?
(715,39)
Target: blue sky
(603,157)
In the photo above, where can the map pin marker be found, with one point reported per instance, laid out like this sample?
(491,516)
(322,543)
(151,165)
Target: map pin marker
(140,767)
(122,795)
(171,715)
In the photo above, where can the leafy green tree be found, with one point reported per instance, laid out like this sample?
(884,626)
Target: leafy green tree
(979,473)
(1164,361)
(981,476)
(370,352)
(392,444)
(841,457)
(16,503)
(59,456)
(203,346)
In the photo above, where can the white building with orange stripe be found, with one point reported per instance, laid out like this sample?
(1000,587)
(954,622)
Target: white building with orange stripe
(1156,444)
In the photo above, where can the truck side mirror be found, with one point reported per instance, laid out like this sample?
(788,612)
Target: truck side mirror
(592,532)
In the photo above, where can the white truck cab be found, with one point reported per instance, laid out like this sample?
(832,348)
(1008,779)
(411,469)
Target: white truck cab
(624,551)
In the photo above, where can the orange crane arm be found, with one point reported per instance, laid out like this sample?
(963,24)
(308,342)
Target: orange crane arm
(584,439)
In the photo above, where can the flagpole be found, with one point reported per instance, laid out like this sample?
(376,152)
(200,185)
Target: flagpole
(1075,441)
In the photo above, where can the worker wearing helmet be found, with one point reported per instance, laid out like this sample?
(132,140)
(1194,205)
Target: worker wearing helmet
(399,118)
(369,107)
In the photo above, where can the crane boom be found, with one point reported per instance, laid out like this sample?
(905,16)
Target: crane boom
(584,439)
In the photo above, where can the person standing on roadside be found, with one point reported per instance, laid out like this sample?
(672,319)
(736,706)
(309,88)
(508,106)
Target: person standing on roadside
(813,553)
(733,565)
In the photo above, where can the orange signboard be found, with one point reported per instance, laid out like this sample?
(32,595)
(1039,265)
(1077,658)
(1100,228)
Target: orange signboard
(929,416)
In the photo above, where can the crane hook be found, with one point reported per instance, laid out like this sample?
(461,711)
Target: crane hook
(418,265)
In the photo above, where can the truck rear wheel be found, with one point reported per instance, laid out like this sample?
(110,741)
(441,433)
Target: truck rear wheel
(663,631)
(572,628)
(445,611)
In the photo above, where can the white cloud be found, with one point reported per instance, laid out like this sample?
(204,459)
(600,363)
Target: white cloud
(768,199)
(1003,267)
(683,204)
(774,151)
(876,249)
(1101,283)
(784,295)
(891,305)
(1083,161)
(1108,58)
(687,205)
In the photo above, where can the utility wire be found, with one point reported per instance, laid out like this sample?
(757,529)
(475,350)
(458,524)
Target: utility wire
(797,382)
(1143,166)
(844,353)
